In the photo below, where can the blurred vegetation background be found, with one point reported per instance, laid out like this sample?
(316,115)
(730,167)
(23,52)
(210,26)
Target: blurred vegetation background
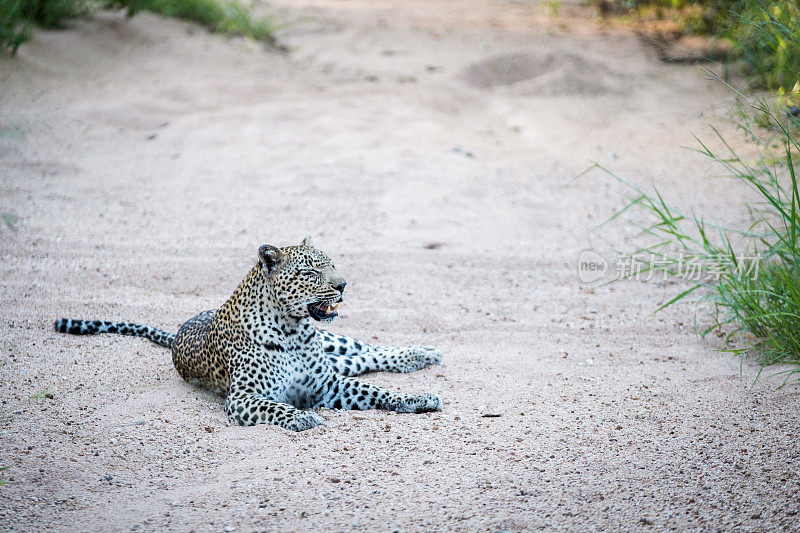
(762,36)
(18,17)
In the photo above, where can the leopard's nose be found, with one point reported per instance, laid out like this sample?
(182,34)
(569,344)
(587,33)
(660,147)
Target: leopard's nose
(340,287)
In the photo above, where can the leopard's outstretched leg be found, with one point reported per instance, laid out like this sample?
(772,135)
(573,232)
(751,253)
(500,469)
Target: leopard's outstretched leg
(249,409)
(350,393)
(249,402)
(351,357)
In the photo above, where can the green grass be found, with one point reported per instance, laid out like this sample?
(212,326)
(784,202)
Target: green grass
(221,16)
(17,17)
(3,481)
(749,276)
(227,17)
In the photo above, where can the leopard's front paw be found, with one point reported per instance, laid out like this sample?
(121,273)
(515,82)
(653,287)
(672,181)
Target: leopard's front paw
(303,420)
(423,403)
(413,358)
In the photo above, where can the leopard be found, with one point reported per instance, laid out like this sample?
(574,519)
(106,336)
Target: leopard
(263,353)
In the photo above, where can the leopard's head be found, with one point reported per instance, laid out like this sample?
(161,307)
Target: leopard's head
(303,280)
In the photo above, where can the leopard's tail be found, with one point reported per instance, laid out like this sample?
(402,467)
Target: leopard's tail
(90,327)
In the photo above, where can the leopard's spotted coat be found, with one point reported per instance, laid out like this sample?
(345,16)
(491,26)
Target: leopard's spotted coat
(262,351)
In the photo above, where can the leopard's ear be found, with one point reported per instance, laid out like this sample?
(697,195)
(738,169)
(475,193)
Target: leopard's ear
(308,241)
(270,257)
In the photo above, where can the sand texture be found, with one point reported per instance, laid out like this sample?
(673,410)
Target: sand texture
(430,148)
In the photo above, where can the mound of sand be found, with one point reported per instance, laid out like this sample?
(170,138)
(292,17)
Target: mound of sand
(546,73)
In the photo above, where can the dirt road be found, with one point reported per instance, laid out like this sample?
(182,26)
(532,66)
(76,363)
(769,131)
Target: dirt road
(430,148)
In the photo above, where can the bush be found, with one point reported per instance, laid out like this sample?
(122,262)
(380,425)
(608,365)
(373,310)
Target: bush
(17,17)
(227,17)
(763,34)
(53,13)
(14,28)
(766,41)
(691,16)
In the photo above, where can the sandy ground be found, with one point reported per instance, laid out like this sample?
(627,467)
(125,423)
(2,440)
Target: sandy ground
(430,147)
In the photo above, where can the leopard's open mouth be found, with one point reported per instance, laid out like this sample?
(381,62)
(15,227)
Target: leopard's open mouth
(323,310)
